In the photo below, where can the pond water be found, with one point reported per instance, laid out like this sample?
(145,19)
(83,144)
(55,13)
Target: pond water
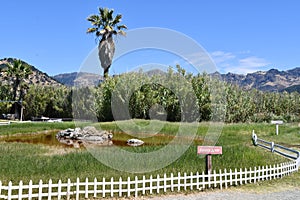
(49,138)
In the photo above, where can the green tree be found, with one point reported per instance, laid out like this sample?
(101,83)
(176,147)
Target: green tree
(105,25)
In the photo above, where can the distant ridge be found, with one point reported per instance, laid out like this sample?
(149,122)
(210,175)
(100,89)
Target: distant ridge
(272,80)
(79,78)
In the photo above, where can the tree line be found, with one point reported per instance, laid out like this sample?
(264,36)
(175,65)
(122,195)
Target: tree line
(174,96)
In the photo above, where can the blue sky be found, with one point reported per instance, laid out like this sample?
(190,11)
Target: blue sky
(240,36)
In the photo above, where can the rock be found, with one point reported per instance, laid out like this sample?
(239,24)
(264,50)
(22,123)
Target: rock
(87,135)
(134,142)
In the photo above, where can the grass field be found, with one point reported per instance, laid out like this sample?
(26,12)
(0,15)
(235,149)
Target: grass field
(22,161)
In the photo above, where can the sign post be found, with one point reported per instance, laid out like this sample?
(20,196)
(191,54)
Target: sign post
(208,151)
(277,122)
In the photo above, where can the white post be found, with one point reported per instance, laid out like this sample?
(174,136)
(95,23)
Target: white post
(86,195)
(68,189)
(59,190)
(20,190)
(9,190)
(277,129)
(178,182)
(111,187)
(172,182)
(203,180)
(77,188)
(184,181)
(120,186)
(151,183)
(191,181)
(144,185)
(157,184)
(220,179)
(95,187)
(197,181)
(165,182)
(30,190)
(103,187)
(136,186)
(225,173)
(128,187)
(50,189)
(40,190)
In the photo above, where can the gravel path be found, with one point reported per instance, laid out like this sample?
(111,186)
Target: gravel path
(234,195)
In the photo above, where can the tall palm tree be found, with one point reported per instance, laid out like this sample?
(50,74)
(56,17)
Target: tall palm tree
(17,73)
(105,25)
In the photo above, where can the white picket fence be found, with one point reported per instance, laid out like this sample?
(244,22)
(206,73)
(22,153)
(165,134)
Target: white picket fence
(142,186)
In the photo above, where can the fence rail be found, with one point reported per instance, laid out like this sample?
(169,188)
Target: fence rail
(284,151)
(141,186)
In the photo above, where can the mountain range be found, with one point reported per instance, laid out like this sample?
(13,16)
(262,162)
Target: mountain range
(272,80)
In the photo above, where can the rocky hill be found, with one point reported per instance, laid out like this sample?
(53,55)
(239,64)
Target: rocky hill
(272,80)
(79,78)
(37,77)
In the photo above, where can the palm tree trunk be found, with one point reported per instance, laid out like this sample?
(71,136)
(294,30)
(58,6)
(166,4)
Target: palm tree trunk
(106,72)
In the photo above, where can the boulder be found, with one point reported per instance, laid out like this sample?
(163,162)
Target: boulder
(134,142)
(87,135)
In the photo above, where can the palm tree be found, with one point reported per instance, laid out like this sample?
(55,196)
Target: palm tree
(16,73)
(105,25)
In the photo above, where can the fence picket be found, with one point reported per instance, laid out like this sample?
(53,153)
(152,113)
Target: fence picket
(103,187)
(50,189)
(95,187)
(20,190)
(128,187)
(112,187)
(151,188)
(59,190)
(9,190)
(40,196)
(120,187)
(218,179)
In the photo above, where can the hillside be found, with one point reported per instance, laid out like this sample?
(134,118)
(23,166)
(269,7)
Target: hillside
(37,77)
(79,78)
(271,80)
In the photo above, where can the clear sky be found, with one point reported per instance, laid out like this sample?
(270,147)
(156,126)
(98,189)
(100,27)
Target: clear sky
(240,35)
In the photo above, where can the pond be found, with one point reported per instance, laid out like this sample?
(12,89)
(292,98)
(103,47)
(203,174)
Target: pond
(119,139)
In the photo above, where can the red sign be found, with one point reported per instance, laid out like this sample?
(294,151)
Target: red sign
(209,150)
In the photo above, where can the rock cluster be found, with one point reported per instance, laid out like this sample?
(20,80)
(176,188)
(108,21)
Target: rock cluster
(87,135)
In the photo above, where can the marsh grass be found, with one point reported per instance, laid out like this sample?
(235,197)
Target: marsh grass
(21,161)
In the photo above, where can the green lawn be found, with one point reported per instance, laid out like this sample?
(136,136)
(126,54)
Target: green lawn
(21,161)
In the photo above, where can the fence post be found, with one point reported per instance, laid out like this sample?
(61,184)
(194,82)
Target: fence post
(255,174)
(208,178)
(50,189)
(203,180)
(136,186)
(197,181)
(9,190)
(250,175)
(95,187)
(220,179)
(235,176)
(68,189)
(111,186)
(120,187)
(59,190)
(77,188)
(86,191)
(215,179)
(157,183)
(128,187)
(184,182)
(178,182)
(241,176)
(20,190)
(230,176)
(191,181)
(144,185)
(103,188)
(225,178)
(30,190)
(165,182)
(172,182)
(40,190)
(151,183)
